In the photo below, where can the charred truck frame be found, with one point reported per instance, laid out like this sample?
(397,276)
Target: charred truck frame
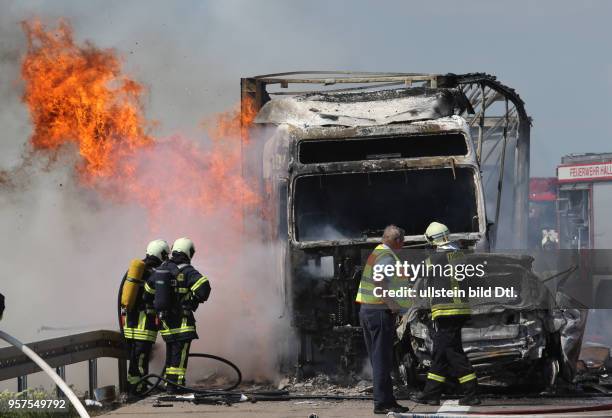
(339,164)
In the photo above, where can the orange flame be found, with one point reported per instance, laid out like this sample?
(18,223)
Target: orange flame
(233,124)
(78,94)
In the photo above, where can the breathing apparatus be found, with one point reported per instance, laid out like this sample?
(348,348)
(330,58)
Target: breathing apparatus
(164,292)
(132,285)
(166,280)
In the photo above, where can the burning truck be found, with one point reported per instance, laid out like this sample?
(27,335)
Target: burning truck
(341,163)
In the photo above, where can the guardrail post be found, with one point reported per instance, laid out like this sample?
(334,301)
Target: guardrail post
(22,383)
(93,377)
(122,375)
(61,372)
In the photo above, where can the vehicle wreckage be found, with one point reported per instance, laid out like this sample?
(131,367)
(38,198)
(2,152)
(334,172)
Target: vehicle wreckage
(339,164)
(530,340)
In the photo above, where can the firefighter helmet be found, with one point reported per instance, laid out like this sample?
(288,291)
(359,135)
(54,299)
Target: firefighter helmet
(185,246)
(437,233)
(158,248)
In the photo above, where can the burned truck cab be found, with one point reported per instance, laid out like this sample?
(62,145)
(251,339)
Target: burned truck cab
(347,184)
(340,181)
(340,165)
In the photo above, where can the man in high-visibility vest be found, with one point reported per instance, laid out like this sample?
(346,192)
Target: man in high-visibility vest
(448,313)
(377,317)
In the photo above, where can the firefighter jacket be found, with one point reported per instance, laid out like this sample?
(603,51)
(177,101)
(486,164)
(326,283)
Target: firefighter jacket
(382,255)
(141,321)
(440,278)
(190,289)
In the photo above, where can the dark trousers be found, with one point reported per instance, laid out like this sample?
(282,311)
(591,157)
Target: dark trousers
(177,355)
(378,329)
(139,356)
(449,359)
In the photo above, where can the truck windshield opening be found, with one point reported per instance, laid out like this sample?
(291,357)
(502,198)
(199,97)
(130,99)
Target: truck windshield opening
(357,205)
(413,146)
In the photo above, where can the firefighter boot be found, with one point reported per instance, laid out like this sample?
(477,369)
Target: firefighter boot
(430,395)
(470,394)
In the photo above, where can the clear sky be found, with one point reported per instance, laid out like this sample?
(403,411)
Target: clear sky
(191,54)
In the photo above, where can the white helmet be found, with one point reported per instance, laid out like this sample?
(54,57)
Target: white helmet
(158,248)
(437,233)
(185,246)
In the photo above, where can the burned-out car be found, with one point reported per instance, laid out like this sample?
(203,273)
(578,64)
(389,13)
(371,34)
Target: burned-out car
(528,336)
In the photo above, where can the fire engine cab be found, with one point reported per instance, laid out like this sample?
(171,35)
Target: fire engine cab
(574,209)
(584,201)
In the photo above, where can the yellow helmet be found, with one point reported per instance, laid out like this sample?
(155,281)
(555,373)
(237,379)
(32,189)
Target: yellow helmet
(437,233)
(185,246)
(158,248)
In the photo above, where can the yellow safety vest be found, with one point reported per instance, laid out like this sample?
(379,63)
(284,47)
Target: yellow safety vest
(365,293)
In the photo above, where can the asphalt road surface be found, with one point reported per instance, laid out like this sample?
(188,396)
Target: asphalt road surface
(524,407)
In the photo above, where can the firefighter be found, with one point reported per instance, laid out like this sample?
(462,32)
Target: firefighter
(177,289)
(1,305)
(377,318)
(140,329)
(448,315)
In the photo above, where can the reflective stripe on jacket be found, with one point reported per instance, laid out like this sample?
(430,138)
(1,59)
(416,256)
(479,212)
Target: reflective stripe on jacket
(447,306)
(141,326)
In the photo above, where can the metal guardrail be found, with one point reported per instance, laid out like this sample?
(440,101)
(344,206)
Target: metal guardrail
(62,351)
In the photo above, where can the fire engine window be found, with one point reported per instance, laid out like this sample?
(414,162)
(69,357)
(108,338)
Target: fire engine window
(327,151)
(354,205)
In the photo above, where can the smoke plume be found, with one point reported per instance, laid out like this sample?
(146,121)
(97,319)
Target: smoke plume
(95,184)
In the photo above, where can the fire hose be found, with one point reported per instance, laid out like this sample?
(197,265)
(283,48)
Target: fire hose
(47,369)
